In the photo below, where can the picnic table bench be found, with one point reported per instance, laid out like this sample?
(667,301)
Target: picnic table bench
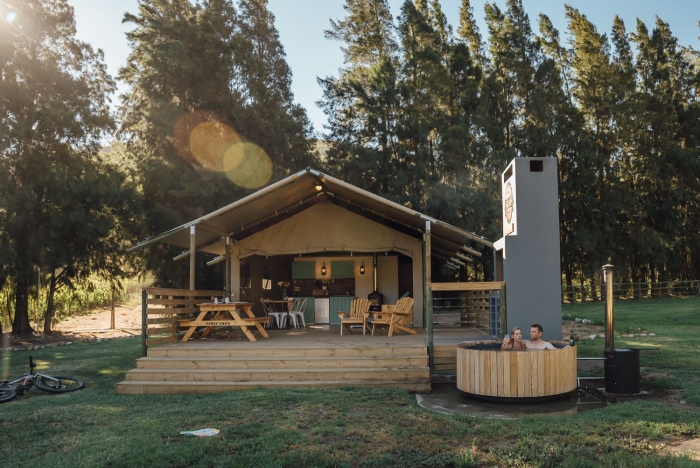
(215,315)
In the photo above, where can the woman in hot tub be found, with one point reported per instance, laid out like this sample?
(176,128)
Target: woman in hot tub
(515,341)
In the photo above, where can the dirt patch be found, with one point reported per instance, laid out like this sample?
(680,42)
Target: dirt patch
(127,321)
(581,330)
(689,447)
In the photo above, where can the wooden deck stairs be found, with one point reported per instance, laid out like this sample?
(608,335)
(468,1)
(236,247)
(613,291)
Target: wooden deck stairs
(201,368)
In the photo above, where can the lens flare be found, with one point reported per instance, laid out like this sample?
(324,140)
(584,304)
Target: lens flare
(209,141)
(11,16)
(247,165)
(202,137)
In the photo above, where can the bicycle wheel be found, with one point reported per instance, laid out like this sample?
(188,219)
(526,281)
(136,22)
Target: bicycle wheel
(57,384)
(7,394)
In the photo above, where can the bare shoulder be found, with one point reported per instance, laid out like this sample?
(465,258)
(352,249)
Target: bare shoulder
(548,345)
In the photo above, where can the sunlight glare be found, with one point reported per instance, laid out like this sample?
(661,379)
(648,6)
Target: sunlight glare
(201,137)
(11,16)
(247,165)
(209,141)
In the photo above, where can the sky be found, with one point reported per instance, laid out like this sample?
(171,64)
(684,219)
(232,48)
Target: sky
(301,24)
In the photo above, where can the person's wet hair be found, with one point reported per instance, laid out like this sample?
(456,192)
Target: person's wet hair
(512,330)
(539,327)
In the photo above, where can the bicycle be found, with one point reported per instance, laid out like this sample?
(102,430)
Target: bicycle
(46,383)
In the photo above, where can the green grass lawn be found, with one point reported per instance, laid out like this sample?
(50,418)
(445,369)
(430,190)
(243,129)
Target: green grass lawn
(676,324)
(347,426)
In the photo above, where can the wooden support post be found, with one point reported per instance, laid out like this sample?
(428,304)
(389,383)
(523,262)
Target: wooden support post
(111,322)
(192,249)
(144,322)
(227,276)
(428,295)
(609,318)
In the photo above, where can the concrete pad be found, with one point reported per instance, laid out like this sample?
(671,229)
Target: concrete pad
(447,399)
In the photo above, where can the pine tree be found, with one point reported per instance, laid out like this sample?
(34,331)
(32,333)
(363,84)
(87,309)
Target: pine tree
(206,83)
(664,76)
(469,32)
(362,103)
(593,83)
(367,32)
(272,120)
(60,205)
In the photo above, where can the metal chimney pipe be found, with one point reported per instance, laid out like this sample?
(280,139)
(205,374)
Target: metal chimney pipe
(609,318)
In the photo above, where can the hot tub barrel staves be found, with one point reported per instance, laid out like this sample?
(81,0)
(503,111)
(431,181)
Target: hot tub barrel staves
(483,369)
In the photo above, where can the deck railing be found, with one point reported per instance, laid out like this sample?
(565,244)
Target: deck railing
(162,309)
(645,290)
(469,305)
(479,305)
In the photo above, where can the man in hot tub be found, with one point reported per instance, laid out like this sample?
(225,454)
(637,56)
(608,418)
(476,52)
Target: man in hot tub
(536,341)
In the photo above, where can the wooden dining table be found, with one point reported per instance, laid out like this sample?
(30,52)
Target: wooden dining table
(221,314)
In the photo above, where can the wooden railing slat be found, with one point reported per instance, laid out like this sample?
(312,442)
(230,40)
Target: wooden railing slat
(183,292)
(172,311)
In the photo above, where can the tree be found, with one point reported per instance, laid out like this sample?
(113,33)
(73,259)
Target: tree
(208,85)
(60,206)
(469,32)
(362,104)
(433,124)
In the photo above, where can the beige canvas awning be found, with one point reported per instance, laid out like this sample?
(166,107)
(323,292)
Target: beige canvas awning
(289,203)
(326,228)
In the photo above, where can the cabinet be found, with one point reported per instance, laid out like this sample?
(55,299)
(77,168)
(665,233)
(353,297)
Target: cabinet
(303,270)
(338,304)
(343,269)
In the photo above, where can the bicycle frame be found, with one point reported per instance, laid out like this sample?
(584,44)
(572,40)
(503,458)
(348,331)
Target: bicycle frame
(27,380)
(43,382)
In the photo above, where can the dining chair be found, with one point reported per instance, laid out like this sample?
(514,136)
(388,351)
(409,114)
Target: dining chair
(297,312)
(270,311)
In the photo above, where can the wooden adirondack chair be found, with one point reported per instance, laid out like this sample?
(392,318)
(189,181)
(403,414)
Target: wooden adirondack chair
(398,319)
(359,311)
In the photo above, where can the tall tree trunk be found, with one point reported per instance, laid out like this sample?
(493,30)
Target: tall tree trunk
(21,323)
(594,291)
(50,312)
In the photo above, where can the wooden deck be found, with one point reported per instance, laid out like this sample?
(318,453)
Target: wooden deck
(311,357)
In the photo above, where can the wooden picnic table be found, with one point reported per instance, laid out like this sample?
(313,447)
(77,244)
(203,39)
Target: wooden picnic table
(215,315)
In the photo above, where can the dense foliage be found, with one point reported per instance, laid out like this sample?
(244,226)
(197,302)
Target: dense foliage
(63,207)
(430,120)
(208,84)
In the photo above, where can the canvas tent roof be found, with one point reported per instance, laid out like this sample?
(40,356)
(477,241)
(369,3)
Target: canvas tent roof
(299,192)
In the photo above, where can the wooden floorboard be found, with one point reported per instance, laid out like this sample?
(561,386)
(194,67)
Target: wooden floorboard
(308,357)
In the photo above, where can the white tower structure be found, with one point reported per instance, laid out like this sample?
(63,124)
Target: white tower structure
(527,256)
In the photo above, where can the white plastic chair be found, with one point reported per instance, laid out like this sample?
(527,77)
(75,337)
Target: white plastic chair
(297,312)
(287,315)
(270,312)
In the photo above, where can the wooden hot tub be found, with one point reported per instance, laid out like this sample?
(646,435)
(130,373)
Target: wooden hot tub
(485,370)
